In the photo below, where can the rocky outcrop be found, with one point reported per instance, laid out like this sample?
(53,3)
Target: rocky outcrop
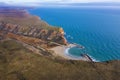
(41,33)
(20,22)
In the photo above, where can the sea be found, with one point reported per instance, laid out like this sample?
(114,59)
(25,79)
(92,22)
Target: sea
(97,29)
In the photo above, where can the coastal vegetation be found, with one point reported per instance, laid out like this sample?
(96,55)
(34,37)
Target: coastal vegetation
(21,23)
(24,52)
(19,63)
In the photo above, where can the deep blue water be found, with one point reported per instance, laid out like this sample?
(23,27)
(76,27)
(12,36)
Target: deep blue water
(98,30)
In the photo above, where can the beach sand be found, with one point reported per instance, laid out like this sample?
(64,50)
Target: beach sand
(62,51)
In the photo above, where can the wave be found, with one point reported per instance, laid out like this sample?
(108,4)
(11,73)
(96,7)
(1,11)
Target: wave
(93,59)
(67,50)
(79,57)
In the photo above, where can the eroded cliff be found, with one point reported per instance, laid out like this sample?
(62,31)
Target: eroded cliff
(21,23)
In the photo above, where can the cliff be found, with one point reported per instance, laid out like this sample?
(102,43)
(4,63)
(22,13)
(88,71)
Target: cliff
(24,53)
(21,23)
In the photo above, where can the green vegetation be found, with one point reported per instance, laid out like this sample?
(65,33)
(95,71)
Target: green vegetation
(18,63)
(23,18)
(28,22)
(21,23)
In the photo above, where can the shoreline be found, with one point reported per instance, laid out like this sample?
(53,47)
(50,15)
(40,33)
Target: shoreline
(63,51)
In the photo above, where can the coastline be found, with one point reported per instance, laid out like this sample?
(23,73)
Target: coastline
(63,51)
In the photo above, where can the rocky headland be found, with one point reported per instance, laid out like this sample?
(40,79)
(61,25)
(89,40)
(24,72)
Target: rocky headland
(26,54)
(20,25)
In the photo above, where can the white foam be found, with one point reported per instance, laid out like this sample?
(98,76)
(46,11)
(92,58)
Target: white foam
(78,58)
(71,56)
(67,50)
(93,59)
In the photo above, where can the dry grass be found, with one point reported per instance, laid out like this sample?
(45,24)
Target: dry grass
(18,63)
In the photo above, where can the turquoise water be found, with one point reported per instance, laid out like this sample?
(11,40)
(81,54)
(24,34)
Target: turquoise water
(98,30)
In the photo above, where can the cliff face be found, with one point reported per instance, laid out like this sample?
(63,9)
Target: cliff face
(21,23)
(35,32)
(23,42)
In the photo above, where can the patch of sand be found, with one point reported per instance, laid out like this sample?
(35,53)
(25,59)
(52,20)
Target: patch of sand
(62,51)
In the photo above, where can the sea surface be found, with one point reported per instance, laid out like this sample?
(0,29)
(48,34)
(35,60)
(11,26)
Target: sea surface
(98,30)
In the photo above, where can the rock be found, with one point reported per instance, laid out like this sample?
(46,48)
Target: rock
(24,27)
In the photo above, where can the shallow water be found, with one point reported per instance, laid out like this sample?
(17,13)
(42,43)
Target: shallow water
(96,29)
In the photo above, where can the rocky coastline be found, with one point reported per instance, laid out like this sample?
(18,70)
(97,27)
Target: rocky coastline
(16,24)
(29,50)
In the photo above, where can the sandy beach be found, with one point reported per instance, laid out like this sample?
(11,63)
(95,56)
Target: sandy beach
(62,51)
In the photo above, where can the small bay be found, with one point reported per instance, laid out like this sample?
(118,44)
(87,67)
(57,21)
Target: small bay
(98,30)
